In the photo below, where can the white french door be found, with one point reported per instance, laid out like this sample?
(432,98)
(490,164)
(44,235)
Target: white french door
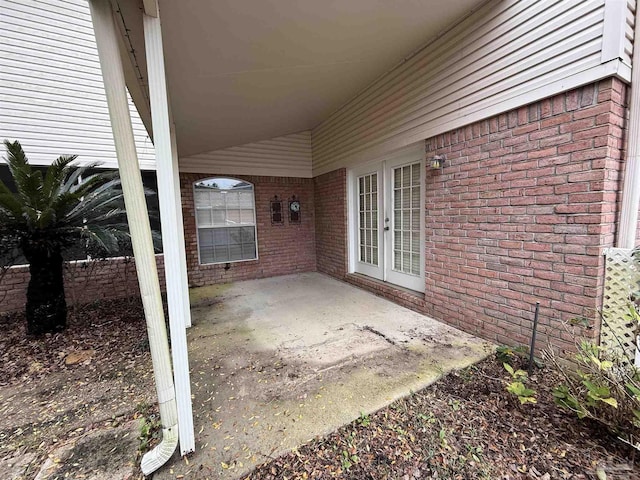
(387,234)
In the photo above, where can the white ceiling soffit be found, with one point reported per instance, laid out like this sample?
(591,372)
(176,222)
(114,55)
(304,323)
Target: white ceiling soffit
(241,71)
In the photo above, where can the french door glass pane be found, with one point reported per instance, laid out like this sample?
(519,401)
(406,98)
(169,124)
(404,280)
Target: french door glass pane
(368,217)
(406,219)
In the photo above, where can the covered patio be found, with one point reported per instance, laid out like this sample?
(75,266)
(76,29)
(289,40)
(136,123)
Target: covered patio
(276,362)
(264,88)
(415,152)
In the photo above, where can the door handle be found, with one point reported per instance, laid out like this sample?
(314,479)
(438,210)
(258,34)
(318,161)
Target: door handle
(386,229)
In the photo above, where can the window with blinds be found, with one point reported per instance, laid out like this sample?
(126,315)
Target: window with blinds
(406,219)
(368,218)
(225,220)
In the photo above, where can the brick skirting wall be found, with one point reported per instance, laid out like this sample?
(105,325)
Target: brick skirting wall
(84,282)
(412,300)
(522,212)
(282,249)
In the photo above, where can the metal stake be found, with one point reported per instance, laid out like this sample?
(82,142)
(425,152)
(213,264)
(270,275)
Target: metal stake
(533,337)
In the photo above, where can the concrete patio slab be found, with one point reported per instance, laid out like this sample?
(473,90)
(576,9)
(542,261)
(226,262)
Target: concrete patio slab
(276,362)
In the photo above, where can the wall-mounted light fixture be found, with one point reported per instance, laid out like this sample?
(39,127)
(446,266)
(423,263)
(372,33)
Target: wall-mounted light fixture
(437,161)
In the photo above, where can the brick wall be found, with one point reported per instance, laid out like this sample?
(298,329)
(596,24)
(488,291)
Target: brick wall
(521,213)
(402,296)
(282,249)
(85,282)
(331,222)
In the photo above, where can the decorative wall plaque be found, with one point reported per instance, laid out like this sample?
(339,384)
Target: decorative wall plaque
(294,210)
(277,217)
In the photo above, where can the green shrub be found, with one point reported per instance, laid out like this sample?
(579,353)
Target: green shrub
(605,388)
(517,386)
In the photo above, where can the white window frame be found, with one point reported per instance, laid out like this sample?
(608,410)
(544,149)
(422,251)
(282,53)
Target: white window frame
(255,223)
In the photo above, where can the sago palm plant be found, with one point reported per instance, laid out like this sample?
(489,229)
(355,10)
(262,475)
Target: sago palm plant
(47,214)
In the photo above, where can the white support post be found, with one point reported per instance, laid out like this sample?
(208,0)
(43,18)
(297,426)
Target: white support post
(183,254)
(172,233)
(631,189)
(138,219)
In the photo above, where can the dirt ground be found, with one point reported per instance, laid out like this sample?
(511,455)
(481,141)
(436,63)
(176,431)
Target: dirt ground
(465,426)
(83,392)
(84,383)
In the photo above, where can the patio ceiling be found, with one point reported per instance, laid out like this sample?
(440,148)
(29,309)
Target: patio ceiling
(240,71)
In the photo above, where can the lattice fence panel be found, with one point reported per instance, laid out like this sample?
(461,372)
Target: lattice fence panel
(618,332)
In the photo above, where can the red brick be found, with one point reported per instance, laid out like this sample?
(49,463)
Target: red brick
(575,146)
(577,125)
(555,197)
(556,120)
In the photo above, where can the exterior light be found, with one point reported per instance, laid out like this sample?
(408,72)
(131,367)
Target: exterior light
(438,161)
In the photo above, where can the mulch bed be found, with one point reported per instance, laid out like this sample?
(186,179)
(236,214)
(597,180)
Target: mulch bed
(114,330)
(62,399)
(466,426)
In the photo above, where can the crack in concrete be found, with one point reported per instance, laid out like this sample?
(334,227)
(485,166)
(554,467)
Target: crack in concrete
(380,334)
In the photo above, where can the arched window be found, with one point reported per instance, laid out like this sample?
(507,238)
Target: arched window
(225,220)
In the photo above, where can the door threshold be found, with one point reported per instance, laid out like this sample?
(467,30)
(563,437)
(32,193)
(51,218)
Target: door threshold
(357,278)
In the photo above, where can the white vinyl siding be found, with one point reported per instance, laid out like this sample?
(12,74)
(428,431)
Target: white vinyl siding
(286,156)
(628,31)
(52,96)
(506,54)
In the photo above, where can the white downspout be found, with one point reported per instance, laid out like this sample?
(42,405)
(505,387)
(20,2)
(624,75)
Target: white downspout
(631,189)
(172,229)
(138,220)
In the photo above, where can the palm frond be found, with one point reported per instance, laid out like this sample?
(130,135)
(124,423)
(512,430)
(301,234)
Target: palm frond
(109,216)
(95,207)
(67,204)
(16,157)
(9,203)
(22,173)
(56,173)
(103,238)
(90,181)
